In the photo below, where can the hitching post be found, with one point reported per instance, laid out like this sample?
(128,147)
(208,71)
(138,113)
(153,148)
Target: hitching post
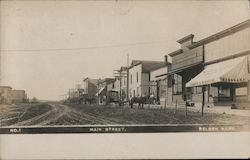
(186,107)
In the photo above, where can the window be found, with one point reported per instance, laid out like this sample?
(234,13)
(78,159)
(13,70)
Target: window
(241,91)
(224,92)
(177,82)
(137,77)
(131,78)
(197,90)
(137,91)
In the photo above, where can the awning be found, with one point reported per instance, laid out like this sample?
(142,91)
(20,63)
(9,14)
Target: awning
(100,91)
(179,69)
(230,71)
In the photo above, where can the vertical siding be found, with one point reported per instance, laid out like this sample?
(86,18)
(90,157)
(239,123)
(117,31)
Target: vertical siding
(227,46)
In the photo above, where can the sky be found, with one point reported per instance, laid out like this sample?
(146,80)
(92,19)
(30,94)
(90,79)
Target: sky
(47,47)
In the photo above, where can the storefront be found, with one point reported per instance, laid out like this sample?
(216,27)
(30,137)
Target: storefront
(186,64)
(225,82)
(225,78)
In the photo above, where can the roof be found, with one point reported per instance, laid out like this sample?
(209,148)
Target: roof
(148,66)
(234,71)
(179,51)
(123,68)
(107,80)
(184,39)
(5,87)
(222,34)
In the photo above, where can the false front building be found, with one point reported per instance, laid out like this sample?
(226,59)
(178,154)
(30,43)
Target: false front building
(225,79)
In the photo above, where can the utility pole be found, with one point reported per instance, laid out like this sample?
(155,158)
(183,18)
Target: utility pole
(119,74)
(127,76)
(98,94)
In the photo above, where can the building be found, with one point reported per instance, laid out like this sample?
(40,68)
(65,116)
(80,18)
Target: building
(9,96)
(102,90)
(186,64)
(5,95)
(90,89)
(18,96)
(158,83)
(113,91)
(139,77)
(225,79)
(120,84)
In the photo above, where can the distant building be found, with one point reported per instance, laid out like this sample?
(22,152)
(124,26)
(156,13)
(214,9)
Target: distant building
(5,95)
(90,89)
(120,84)
(9,96)
(102,87)
(18,96)
(139,76)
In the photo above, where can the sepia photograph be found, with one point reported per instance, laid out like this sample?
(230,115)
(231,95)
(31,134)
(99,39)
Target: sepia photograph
(124,66)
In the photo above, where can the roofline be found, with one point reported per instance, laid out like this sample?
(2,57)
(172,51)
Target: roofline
(221,34)
(179,51)
(180,69)
(184,39)
(140,62)
(158,68)
(5,87)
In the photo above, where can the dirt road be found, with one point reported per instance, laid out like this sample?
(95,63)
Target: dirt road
(46,114)
(49,114)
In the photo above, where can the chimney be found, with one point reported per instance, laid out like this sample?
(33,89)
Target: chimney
(167,60)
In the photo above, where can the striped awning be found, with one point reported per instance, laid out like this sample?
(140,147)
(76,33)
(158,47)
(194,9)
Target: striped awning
(229,71)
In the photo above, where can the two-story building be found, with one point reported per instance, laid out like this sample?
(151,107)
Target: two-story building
(10,96)
(5,95)
(102,90)
(186,64)
(225,79)
(139,76)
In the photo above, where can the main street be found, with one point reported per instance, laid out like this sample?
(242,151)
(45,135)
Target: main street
(49,114)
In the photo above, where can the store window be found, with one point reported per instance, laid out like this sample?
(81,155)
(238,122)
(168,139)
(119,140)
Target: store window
(242,91)
(224,92)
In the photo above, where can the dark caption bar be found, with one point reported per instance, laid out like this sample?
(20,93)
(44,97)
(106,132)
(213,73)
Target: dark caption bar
(122,129)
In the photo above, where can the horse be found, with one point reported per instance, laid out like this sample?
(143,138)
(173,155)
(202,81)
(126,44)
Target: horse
(140,100)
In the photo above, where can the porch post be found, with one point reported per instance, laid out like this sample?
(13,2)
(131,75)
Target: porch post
(248,90)
(203,100)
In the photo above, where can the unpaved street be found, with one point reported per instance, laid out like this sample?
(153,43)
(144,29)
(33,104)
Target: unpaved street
(49,114)
(46,114)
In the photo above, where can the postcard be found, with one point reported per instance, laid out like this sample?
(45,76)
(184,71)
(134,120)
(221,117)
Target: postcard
(124,67)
